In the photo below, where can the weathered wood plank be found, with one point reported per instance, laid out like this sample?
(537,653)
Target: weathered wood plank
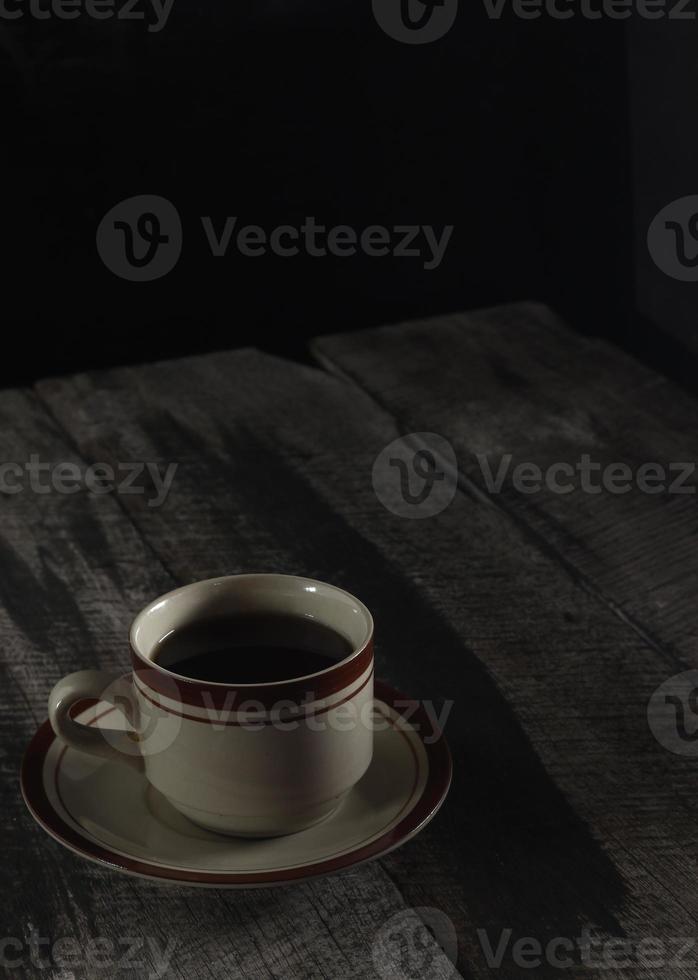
(560,791)
(74,570)
(513,380)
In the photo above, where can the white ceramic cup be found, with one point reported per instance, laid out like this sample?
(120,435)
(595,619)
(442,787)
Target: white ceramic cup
(251,760)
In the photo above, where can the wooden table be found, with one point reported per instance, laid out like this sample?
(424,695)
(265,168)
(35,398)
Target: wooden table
(548,618)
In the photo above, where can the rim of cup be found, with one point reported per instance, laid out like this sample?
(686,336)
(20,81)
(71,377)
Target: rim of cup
(309,586)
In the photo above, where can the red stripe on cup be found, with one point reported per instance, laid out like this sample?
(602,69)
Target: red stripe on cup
(202,694)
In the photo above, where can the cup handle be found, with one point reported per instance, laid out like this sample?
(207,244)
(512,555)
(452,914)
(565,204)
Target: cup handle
(116,689)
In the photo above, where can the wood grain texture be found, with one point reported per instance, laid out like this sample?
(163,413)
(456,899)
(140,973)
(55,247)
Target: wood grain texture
(75,569)
(561,794)
(514,380)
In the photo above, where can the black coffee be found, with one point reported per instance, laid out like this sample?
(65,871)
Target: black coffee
(251,649)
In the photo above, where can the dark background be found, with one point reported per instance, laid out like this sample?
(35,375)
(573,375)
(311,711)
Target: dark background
(522,134)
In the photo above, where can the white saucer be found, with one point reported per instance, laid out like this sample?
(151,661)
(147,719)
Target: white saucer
(110,814)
